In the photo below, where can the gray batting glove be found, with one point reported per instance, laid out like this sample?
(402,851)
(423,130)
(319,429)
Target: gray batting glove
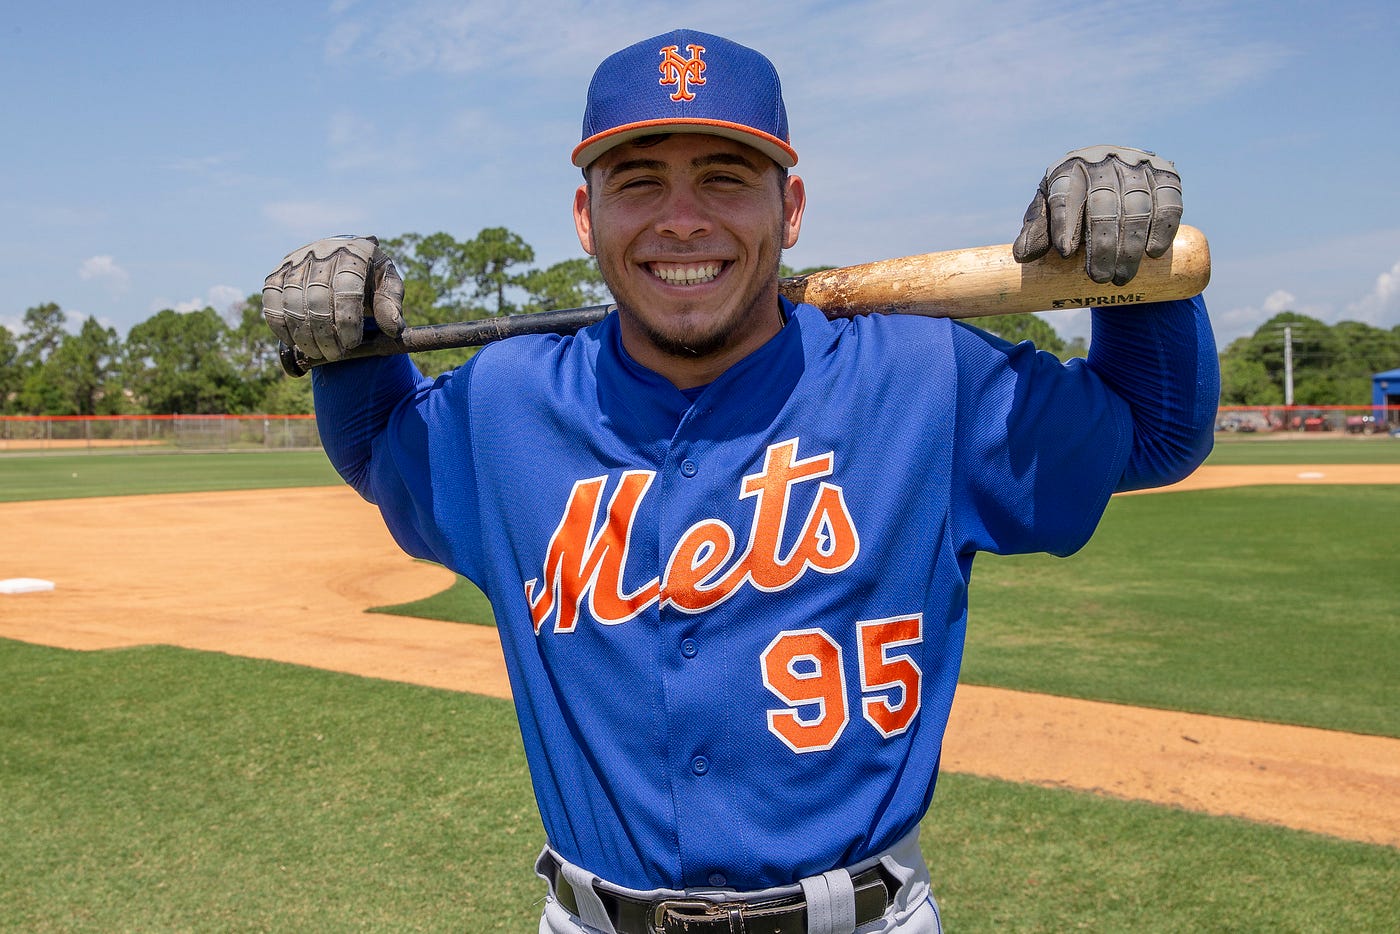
(1120,203)
(318,299)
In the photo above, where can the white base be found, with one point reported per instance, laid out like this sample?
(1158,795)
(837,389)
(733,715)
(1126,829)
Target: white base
(24,585)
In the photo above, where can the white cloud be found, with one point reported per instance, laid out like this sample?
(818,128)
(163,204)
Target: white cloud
(221,298)
(105,269)
(1280,300)
(224,297)
(1381,306)
(1244,320)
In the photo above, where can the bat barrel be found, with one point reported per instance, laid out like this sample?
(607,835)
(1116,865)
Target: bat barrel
(987,280)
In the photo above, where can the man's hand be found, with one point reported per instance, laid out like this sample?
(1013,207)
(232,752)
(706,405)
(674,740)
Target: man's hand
(1120,203)
(318,299)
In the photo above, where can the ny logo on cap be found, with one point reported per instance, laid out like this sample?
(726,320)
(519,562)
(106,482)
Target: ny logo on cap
(682,72)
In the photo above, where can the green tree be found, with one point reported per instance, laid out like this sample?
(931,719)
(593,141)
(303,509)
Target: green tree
(181,363)
(1024,327)
(253,350)
(1362,351)
(1310,340)
(80,374)
(288,396)
(11,375)
(1244,380)
(1332,364)
(44,332)
(573,283)
(437,274)
(44,329)
(492,255)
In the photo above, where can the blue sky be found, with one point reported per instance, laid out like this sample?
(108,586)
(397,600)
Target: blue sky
(167,154)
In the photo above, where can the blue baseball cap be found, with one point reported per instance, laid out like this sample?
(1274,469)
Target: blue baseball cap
(686,82)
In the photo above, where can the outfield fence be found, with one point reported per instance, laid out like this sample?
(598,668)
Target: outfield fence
(191,433)
(1307,419)
(156,433)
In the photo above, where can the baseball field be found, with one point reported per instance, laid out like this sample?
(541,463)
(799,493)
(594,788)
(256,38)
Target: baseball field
(1193,724)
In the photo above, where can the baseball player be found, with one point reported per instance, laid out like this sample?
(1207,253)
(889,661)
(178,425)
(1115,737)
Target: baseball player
(728,541)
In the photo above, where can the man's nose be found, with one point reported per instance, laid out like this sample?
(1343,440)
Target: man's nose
(682,215)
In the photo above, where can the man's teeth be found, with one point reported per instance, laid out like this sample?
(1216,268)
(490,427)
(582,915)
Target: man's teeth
(686,275)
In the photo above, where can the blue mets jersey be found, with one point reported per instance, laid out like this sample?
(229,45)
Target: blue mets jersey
(733,625)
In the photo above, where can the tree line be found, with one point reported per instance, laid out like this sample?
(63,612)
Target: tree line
(208,362)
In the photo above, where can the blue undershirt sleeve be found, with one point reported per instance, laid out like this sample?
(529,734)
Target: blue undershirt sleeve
(1161,360)
(376,441)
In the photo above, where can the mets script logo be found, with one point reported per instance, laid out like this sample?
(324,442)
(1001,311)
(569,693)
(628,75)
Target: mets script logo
(587,554)
(682,72)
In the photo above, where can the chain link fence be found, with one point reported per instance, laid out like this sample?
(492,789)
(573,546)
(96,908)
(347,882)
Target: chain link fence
(1309,419)
(157,433)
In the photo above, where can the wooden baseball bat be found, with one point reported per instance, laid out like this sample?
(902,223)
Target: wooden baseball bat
(968,283)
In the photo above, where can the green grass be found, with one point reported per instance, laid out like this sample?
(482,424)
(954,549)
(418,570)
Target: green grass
(1271,603)
(1007,857)
(65,476)
(462,602)
(166,790)
(159,789)
(61,476)
(1231,450)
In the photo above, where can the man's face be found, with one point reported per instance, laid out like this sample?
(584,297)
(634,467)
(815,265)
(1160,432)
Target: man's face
(688,231)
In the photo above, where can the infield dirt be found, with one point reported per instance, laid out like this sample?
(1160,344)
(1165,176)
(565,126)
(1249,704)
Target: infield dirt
(287,575)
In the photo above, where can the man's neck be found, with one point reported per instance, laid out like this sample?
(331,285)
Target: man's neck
(686,372)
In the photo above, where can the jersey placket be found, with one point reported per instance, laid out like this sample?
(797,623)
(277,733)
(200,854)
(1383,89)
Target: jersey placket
(695,487)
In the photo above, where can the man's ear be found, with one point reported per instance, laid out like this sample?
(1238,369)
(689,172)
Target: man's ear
(583,220)
(794,203)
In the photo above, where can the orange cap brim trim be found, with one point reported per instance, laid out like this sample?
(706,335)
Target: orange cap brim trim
(776,149)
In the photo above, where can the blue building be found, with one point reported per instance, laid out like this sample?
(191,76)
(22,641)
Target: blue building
(1385,397)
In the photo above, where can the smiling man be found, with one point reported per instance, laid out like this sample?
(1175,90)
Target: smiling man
(728,541)
(688,230)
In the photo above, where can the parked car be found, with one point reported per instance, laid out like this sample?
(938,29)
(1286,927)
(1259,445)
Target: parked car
(1242,422)
(1313,420)
(1362,425)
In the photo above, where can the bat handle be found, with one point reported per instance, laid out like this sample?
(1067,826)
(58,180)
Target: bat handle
(294,362)
(453,335)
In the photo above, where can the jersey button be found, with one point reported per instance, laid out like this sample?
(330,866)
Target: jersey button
(688,468)
(717,879)
(689,649)
(699,765)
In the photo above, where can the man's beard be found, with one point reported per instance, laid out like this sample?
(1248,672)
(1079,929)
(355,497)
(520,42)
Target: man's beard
(701,344)
(685,347)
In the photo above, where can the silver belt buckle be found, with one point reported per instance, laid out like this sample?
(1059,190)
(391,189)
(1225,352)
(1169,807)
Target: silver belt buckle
(688,909)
